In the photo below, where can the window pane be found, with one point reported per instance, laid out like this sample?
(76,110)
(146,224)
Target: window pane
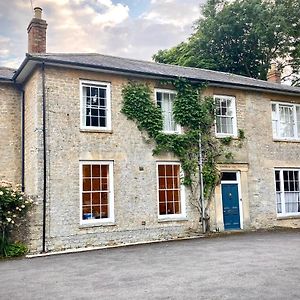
(277,181)
(96,198)
(96,170)
(86,171)
(87,185)
(86,198)
(162,183)
(169,170)
(229,176)
(104,184)
(161,170)
(96,212)
(104,170)
(162,208)
(96,184)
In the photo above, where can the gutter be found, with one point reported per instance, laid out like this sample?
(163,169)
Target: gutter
(23,140)
(5,80)
(44,158)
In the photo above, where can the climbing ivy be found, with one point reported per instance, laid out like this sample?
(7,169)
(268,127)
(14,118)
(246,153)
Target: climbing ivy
(196,115)
(193,112)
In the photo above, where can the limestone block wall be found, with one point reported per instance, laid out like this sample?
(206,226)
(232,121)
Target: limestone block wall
(135,194)
(258,156)
(34,156)
(10,133)
(265,154)
(135,186)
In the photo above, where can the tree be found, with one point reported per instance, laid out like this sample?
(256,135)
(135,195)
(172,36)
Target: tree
(243,37)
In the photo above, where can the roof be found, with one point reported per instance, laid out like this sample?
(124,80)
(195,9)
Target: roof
(145,68)
(6,74)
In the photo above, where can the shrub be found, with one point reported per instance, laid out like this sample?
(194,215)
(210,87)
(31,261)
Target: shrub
(14,204)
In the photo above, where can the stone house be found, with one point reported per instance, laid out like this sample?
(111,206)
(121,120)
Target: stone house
(97,182)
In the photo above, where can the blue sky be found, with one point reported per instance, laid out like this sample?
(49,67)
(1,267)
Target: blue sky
(127,28)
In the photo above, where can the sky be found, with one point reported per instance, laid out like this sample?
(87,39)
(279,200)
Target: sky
(127,28)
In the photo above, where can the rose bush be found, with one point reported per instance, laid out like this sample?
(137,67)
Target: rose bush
(14,205)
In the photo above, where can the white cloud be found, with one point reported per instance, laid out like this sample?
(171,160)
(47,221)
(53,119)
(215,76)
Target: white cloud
(102,26)
(175,12)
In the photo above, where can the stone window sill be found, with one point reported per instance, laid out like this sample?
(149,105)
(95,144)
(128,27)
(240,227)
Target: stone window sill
(172,220)
(288,217)
(286,140)
(84,226)
(96,130)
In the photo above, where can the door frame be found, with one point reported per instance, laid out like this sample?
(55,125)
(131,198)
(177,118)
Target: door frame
(238,182)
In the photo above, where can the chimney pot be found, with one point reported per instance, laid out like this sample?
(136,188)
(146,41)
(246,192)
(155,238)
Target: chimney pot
(38,13)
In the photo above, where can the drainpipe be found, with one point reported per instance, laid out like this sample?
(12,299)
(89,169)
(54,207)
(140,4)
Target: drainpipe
(44,158)
(202,201)
(23,141)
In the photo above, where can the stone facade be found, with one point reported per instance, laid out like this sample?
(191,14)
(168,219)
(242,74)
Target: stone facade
(256,160)
(135,177)
(10,133)
(135,194)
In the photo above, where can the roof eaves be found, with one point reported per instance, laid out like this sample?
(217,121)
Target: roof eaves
(152,74)
(254,88)
(23,64)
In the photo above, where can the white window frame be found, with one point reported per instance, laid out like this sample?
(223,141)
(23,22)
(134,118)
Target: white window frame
(295,127)
(182,194)
(234,118)
(107,86)
(178,129)
(282,192)
(111,218)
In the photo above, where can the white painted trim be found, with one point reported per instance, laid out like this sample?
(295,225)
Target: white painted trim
(111,218)
(234,122)
(107,86)
(240,198)
(175,217)
(178,127)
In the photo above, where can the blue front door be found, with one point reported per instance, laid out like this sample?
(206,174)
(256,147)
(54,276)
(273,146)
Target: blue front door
(231,211)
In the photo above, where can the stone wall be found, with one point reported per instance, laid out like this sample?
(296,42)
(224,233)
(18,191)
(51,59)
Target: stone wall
(265,154)
(34,157)
(256,160)
(135,195)
(10,133)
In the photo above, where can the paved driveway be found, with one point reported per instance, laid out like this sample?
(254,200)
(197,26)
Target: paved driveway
(246,266)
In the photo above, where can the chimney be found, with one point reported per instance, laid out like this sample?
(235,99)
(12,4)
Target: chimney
(273,74)
(37,33)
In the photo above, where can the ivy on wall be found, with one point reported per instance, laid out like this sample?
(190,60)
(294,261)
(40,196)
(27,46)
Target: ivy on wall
(196,115)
